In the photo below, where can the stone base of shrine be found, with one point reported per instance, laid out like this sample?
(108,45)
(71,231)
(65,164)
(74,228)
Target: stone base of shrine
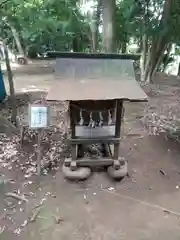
(81,169)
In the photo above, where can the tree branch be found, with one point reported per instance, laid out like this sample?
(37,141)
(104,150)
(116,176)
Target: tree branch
(3,2)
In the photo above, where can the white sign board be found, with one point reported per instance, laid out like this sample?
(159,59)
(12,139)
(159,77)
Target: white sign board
(38,116)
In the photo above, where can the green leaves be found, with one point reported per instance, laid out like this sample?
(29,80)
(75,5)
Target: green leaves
(134,18)
(54,23)
(43,22)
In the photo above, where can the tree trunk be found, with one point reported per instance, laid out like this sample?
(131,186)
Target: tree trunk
(155,58)
(108,15)
(159,45)
(95,26)
(140,45)
(11,86)
(158,62)
(94,40)
(144,53)
(124,47)
(179,70)
(18,42)
(166,59)
(124,44)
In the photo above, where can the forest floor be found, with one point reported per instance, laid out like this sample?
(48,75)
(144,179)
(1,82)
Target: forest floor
(144,205)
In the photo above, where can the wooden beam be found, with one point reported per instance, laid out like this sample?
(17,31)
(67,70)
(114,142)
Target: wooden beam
(85,162)
(119,111)
(92,55)
(93,140)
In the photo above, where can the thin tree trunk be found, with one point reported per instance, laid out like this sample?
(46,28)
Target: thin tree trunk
(155,58)
(144,52)
(124,47)
(11,86)
(124,44)
(140,45)
(17,40)
(144,41)
(108,15)
(179,70)
(94,41)
(159,44)
(167,57)
(95,26)
(159,60)
(118,46)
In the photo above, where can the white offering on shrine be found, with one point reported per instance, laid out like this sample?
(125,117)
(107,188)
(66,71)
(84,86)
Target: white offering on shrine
(38,116)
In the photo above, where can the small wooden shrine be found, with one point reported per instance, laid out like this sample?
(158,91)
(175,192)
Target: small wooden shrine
(95,85)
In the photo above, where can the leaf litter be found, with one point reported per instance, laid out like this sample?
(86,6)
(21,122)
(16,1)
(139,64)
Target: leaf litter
(53,148)
(162,114)
(161,117)
(15,157)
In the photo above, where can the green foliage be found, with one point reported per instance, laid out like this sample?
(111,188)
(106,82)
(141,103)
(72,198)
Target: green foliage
(56,24)
(122,20)
(43,24)
(134,18)
(175,22)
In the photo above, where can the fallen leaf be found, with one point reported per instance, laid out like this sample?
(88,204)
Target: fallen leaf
(111,188)
(24,223)
(163,172)
(18,197)
(58,220)
(2,229)
(34,216)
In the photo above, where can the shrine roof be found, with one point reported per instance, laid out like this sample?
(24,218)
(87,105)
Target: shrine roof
(95,79)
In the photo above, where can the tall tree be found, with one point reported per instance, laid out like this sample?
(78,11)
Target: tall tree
(94,25)
(159,43)
(108,16)
(11,86)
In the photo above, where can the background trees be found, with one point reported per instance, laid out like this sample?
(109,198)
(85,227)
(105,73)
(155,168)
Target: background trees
(33,27)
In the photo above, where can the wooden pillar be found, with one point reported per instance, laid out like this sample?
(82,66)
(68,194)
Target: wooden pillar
(39,152)
(73,132)
(119,108)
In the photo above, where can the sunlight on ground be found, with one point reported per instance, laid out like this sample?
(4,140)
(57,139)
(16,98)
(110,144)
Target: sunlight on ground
(13,66)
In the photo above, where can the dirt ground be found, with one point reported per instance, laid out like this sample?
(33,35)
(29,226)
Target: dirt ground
(144,205)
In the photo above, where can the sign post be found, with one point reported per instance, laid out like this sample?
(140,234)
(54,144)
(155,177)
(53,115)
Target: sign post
(38,120)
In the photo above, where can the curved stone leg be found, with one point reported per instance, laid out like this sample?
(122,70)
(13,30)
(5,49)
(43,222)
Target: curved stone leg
(118,172)
(76,174)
